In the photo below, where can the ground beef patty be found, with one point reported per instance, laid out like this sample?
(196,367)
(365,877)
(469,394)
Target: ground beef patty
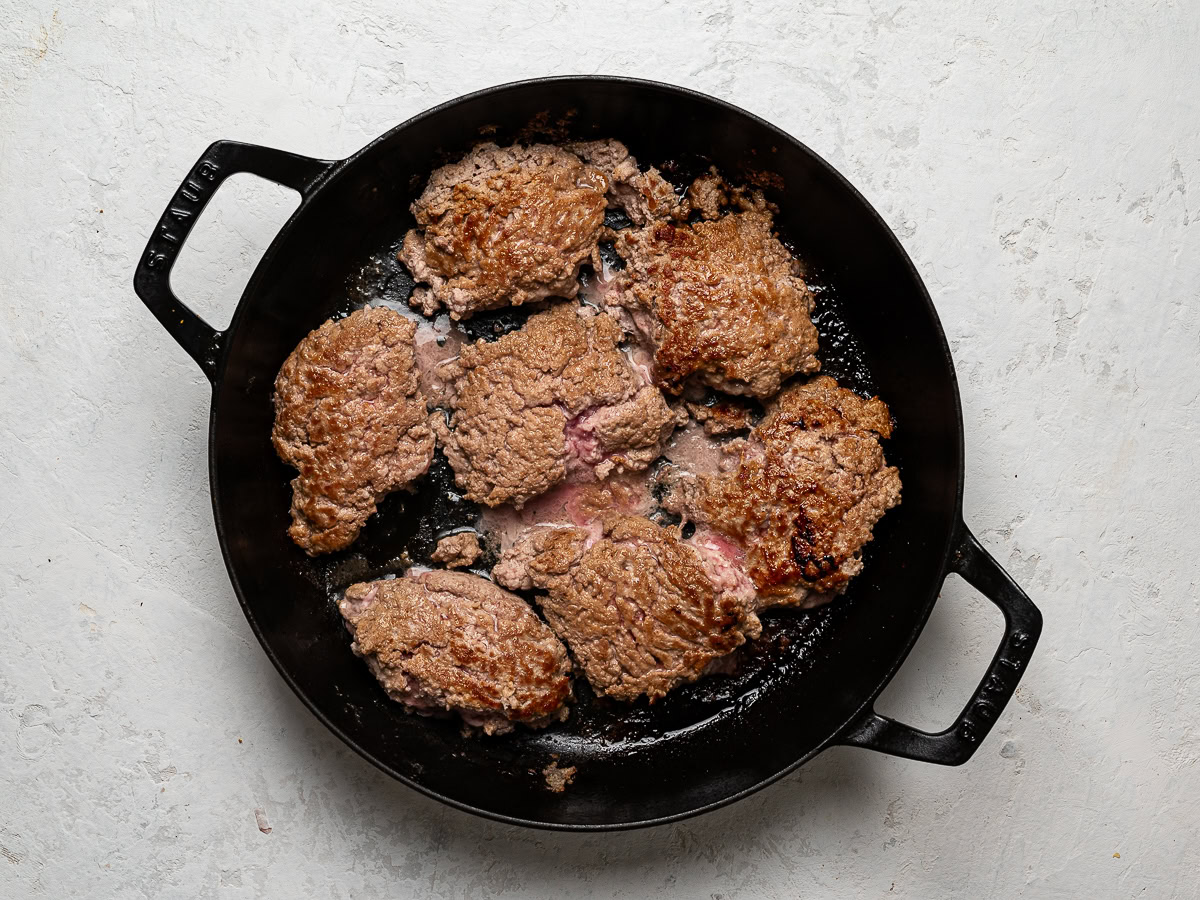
(557,397)
(720,301)
(450,642)
(349,416)
(641,610)
(809,485)
(504,226)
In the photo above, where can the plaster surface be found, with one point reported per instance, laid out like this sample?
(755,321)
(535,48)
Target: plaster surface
(1039,161)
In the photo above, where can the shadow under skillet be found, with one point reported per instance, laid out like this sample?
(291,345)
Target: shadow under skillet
(840,793)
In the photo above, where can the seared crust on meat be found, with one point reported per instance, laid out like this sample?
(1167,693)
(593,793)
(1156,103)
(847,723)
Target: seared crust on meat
(556,396)
(721,301)
(809,486)
(349,416)
(638,607)
(504,226)
(643,195)
(452,642)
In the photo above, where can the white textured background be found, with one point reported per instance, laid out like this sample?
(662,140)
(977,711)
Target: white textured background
(1040,162)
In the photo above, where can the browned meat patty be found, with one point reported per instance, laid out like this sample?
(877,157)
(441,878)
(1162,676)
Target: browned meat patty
(504,226)
(450,642)
(641,610)
(350,418)
(809,485)
(457,551)
(557,397)
(721,301)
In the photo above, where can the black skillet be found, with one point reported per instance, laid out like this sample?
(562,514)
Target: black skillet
(808,684)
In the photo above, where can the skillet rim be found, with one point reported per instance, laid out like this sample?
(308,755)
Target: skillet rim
(957,527)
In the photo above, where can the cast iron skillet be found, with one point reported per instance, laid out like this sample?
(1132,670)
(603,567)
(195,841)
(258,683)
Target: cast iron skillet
(809,683)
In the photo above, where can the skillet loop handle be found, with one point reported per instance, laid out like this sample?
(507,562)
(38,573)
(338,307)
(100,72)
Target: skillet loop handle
(152,280)
(1022,626)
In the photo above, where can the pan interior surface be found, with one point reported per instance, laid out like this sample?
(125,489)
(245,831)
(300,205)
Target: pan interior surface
(703,744)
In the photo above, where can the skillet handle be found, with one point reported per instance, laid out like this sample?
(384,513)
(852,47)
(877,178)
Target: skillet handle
(152,280)
(1022,626)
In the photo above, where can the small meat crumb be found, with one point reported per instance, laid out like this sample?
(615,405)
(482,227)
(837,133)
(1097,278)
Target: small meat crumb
(721,418)
(708,194)
(260,818)
(557,779)
(457,551)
